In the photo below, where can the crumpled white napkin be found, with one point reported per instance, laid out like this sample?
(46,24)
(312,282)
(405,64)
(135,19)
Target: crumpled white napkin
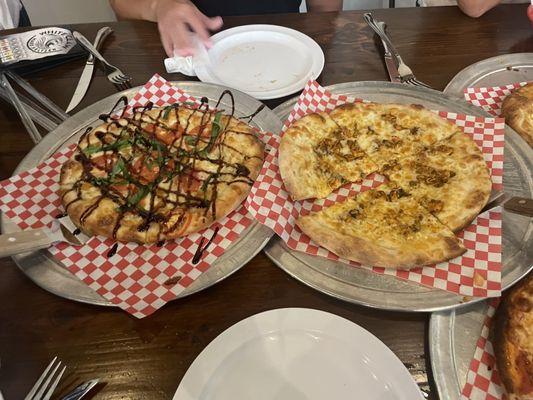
(185,65)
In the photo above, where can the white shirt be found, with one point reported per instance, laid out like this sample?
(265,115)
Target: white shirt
(9,13)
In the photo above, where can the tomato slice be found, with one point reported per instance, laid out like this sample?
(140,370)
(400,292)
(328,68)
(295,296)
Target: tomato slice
(164,135)
(189,182)
(105,161)
(147,171)
(123,189)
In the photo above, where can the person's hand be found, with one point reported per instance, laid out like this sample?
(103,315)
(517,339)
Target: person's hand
(176,19)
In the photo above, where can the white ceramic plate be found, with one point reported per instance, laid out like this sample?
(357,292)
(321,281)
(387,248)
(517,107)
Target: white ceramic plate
(265,61)
(297,354)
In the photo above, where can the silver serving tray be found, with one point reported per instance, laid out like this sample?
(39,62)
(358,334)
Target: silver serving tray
(453,334)
(46,272)
(494,71)
(360,286)
(452,341)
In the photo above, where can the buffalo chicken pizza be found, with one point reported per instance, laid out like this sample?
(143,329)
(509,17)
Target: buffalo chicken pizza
(160,173)
(438,182)
(513,340)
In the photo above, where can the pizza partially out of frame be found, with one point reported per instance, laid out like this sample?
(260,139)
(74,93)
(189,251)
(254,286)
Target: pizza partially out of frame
(513,340)
(438,182)
(517,109)
(160,173)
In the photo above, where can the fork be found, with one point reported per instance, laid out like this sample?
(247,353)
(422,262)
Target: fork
(406,74)
(44,390)
(114,74)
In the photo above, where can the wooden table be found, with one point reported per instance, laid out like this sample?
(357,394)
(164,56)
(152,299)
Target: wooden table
(146,359)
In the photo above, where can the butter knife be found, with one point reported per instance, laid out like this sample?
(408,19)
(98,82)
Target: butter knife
(390,63)
(86,75)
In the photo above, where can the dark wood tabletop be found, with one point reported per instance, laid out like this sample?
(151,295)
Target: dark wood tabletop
(146,359)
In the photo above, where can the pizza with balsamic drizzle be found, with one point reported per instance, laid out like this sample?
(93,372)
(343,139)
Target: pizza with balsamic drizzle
(160,173)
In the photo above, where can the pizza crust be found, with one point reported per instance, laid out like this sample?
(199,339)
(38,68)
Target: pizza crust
(517,109)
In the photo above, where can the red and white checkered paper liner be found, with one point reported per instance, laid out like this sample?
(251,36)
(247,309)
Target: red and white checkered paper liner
(490,98)
(482,379)
(134,278)
(475,273)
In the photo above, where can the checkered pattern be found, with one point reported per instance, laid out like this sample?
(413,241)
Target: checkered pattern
(490,98)
(135,278)
(475,273)
(482,380)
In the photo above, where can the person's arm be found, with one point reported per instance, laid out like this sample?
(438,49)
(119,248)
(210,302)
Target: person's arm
(175,19)
(476,8)
(324,5)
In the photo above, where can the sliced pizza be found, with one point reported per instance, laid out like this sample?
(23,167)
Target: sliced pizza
(316,157)
(384,227)
(386,131)
(449,178)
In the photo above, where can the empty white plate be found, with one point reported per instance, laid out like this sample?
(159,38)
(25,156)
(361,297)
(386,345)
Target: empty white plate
(265,61)
(297,354)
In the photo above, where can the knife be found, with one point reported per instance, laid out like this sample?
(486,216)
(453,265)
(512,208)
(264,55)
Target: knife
(390,63)
(517,205)
(81,390)
(86,75)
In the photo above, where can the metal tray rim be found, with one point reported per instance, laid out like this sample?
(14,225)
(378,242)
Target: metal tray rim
(457,84)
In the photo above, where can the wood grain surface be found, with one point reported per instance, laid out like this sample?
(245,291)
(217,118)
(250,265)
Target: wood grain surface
(146,359)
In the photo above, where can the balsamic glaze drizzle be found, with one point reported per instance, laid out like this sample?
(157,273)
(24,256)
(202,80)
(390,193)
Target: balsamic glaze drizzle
(160,153)
(252,115)
(200,250)
(112,251)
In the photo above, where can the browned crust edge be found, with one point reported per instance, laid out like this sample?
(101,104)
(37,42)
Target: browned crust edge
(370,253)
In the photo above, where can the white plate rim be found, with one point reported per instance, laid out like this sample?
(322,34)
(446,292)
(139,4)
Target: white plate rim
(293,318)
(317,55)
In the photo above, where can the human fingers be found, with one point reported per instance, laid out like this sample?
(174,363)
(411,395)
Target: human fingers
(198,25)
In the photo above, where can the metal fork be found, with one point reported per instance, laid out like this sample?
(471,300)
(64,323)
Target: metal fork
(406,74)
(114,74)
(44,390)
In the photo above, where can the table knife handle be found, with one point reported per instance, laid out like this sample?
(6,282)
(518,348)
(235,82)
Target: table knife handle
(24,241)
(520,205)
(381,33)
(85,43)
(101,36)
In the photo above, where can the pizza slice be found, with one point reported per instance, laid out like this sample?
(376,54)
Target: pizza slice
(316,157)
(449,178)
(382,227)
(386,131)
(513,340)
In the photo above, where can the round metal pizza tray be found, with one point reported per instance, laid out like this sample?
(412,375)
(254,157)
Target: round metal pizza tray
(46,272)
(494,71)
(360,286)
(452,341)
